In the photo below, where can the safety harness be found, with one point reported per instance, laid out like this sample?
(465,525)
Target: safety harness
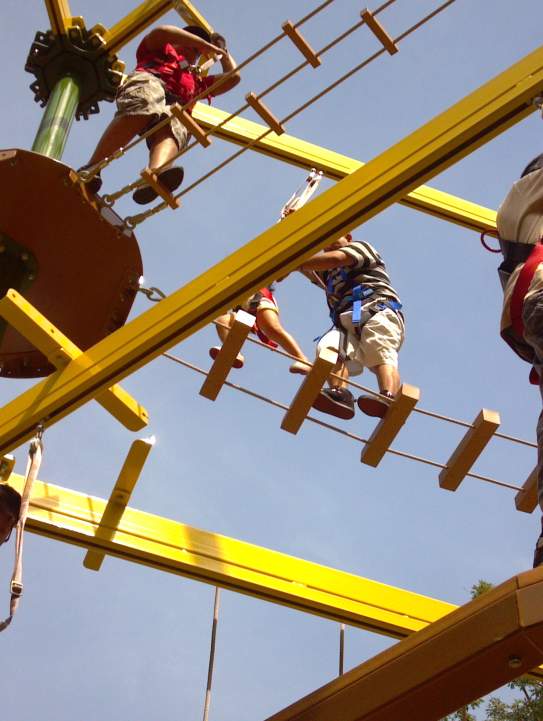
(531,256)
(357,295)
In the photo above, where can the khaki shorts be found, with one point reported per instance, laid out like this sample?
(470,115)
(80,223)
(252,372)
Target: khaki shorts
(143,94)
(380,340)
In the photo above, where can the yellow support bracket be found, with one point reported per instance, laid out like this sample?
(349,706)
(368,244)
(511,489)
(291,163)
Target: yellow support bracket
(293,150)
(466,126)
(309,390)
(120,497)
(60,16)
(222,365)
(145,14)
(59,350)
(167,545)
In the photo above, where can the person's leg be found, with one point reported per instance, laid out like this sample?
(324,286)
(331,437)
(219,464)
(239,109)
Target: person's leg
(118,133)
(380,341)
(538,554)
(222,325)
(163,148)
(337,400)
(268,322)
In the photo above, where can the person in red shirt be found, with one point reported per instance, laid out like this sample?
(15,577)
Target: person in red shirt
(166,73)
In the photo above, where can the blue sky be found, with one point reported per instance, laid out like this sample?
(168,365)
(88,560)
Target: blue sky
(132,643)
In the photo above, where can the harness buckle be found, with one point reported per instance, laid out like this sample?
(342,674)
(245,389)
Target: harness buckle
(16,589)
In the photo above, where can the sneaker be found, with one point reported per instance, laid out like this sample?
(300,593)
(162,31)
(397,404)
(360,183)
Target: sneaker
(338,402)
(538,553)
(171,179)
(95,183)
(373,405)
(238,362)
(300,367)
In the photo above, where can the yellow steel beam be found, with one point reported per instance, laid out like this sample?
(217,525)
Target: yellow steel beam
(335,166)
(59,350)
(146,14)
(60,15)
(173,547)
(469,653)
(461,129)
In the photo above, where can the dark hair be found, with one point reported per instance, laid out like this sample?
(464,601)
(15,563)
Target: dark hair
(199,32)
(533,165)
(10,500)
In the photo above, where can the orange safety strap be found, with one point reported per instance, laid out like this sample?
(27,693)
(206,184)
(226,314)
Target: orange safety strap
(32,470)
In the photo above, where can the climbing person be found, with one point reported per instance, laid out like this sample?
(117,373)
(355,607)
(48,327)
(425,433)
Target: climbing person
(368,327)
(10,507)
(166,73)
(520,229)
(263,306)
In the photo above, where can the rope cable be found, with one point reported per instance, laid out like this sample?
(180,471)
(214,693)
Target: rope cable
(132,221)
(329,426)
(112,197)
(97,167)
(214,625)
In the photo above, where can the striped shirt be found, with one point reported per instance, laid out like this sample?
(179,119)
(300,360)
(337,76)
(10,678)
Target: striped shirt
(368,271)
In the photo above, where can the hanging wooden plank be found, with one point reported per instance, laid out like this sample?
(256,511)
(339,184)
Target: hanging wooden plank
(265,113)
(526,500)
(301,43)
(379,31)
(191,125)
(152,179)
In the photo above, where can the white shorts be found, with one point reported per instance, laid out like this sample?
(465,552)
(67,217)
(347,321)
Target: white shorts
(379,342)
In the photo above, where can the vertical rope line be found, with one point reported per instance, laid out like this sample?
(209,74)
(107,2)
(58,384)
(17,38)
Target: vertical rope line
(216,605)
(341,648)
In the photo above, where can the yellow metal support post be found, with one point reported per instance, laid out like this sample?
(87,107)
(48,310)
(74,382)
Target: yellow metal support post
(60,16)
(335,166)
(461,129)
(59,350)
(309,390)
(120,497)
(173,547)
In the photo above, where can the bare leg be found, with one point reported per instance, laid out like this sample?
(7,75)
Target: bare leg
(225,320)
(163,148)
(269,324)
(388,378)
(340,369)
(117,134)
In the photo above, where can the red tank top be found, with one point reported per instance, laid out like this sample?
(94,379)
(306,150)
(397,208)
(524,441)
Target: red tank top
(171,67)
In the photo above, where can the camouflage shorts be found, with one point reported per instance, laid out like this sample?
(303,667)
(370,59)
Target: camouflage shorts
(143,94)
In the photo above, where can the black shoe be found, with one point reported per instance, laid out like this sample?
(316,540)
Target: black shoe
(538,553)
(338,402)
(95,183)
(171,179)
(373,405)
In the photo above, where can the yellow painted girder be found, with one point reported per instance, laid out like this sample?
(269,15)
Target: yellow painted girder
(59,350)
(167,545)
(455,133)
(60,15)
(146,14)
(335,166)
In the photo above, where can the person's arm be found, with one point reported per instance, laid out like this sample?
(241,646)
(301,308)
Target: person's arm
(228,65)
(328,261)
(163,34)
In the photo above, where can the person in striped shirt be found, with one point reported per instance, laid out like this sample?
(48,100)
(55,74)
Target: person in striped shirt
(368,326)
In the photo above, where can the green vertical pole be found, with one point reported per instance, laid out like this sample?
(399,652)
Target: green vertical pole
(57,118)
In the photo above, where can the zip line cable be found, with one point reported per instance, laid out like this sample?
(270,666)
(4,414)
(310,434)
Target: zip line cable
(111,198)
(329,426)
(131,222)
(86,176)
